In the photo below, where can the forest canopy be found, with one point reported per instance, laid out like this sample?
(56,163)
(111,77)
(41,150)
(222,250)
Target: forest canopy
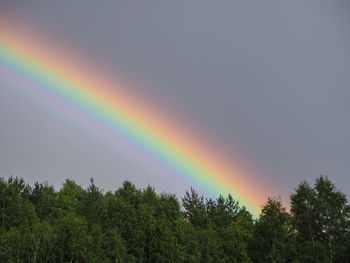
(73,224)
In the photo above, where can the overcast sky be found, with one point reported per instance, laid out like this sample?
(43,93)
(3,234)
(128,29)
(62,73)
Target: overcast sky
(268,80)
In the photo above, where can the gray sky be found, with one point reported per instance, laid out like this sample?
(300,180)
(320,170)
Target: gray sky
(268,80)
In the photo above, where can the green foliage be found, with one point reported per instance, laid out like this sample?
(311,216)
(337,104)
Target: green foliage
(69,197)
(321,218)
(273,237)
(44,198)
(195,208)
(40,224)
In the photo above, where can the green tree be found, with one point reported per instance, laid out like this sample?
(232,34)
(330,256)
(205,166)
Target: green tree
(273,241)
(69,196)
(236,237)
(92,205)
(321,217)
(223,210)
(73,240)
(114,247)
(12,202)
(189,243)
(44,198)
(195,208)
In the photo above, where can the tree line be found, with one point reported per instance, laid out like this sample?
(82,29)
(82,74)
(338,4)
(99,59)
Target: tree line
(40,224)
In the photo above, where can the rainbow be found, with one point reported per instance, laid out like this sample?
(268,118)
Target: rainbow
(111,103)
